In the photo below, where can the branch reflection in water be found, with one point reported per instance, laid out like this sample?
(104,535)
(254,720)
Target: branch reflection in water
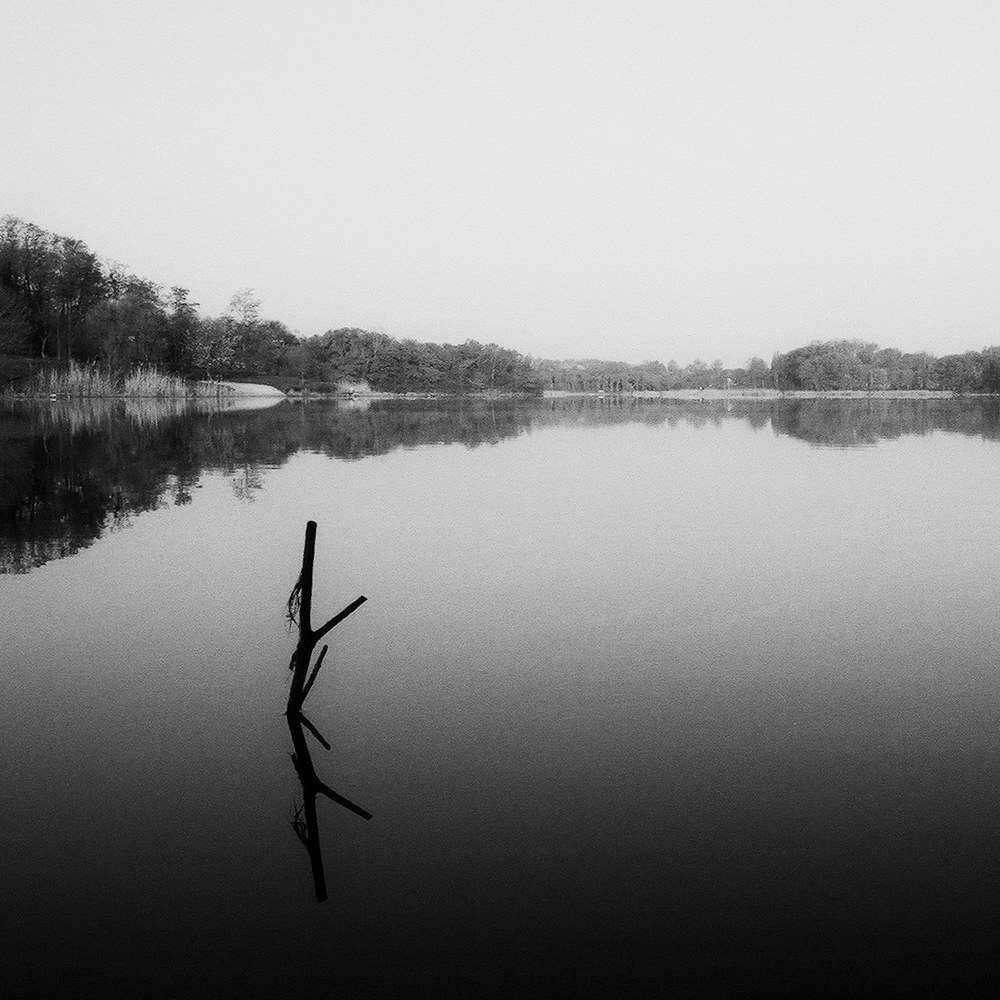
(305,823)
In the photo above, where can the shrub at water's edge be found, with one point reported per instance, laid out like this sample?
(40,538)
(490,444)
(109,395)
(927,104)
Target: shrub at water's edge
(142,381)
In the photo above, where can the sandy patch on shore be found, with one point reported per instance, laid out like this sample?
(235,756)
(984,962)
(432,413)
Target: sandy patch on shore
(251,389)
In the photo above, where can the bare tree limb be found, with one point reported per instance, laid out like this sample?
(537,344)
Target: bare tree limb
(338,618)
(341,801)
(319,736)
(305,822)
(300,611)
(308,559)
(312,676)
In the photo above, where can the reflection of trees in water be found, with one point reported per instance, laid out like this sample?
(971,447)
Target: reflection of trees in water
(839,425)
(88,413)
(69,472)
(247,483)
(391,424)
(856,423)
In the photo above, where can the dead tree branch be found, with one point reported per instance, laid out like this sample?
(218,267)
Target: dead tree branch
(299,612)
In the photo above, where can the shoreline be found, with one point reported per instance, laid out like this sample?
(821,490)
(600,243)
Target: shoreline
(684,394)
(238,390)
(766,394)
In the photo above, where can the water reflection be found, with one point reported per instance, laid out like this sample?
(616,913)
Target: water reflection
(634,708)
(71,471)
(858,423)
(305,822)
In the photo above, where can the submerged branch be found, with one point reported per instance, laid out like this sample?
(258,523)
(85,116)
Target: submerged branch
(299,612)
(306,578)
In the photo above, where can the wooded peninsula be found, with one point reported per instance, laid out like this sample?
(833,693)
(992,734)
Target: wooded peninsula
(60,302)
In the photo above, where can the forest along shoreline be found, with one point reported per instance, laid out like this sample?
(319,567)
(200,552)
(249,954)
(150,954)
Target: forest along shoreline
(63,305)
(708,394)
(76,381)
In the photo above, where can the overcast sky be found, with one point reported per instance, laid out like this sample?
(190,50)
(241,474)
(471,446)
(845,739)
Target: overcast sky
(634,180)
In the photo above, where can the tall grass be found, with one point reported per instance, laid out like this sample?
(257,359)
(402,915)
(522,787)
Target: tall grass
(148,382)
(77,380)
(142,382)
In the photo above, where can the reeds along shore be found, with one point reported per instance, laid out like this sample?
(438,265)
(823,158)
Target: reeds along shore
(142,381)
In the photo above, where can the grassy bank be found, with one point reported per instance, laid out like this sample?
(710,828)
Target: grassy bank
(88,381)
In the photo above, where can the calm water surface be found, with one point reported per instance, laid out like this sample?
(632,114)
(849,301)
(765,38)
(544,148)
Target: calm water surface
(645,694)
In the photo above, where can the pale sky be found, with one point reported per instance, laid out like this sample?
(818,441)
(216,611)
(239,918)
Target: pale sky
(632,180)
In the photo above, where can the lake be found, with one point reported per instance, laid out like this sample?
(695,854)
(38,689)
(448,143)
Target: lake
(647,694)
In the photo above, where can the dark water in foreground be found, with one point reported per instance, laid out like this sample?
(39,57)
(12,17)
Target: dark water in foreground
(645,695)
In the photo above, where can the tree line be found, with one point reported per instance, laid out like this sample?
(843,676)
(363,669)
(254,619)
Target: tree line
(60,301)
(650,376)
(857,364)
(391,365)
(821,366)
